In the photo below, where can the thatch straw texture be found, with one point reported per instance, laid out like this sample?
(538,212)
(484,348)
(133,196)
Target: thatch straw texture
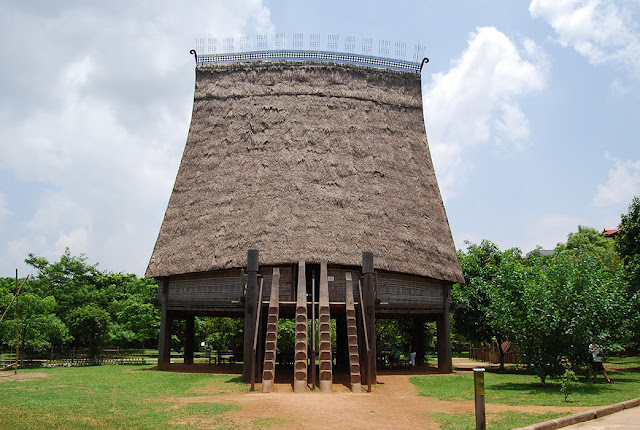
(306,161)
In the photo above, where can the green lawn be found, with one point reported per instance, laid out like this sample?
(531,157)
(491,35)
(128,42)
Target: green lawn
(136,397)
(110,397)
(523,389)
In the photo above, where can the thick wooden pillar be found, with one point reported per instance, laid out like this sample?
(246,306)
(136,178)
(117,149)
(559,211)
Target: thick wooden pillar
(369,299)
(250,312)
(418,343)
(166,323)
(362,348)
(445,363)
(189,331)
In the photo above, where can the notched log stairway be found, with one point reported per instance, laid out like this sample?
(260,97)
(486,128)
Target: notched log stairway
(324,331)
(301,342)
(352,333)
(269,372)
(300,359)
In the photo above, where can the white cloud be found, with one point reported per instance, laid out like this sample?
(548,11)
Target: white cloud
(77,240)
(477,101)
(94,118)
(623,183)
(603,31)
(618,88)
(55,211)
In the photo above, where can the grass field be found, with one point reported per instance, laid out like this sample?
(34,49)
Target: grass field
(108,397)
(136,397)
(518,389)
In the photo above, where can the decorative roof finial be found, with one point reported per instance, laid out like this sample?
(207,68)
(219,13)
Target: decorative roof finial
(425,60)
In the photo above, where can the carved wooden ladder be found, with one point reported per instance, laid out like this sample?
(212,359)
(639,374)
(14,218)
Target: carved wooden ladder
(324,330)
(300,360)
(269,369)
(352,334)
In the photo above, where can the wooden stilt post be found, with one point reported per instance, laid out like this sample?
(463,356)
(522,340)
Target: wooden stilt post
(250,312)
(478,383)
(445,362)
(369,300)
(15,370)
(164,342)
(313,329)
(189,339)
(418,342)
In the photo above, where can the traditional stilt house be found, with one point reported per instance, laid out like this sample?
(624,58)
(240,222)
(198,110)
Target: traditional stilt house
(306,190)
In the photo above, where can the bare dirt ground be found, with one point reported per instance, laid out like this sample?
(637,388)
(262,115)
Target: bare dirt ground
(21,376)
(392,404)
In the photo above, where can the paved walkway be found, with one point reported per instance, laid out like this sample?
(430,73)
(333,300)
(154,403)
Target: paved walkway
(626,419)
(624,415)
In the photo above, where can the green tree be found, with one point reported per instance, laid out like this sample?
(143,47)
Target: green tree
(590,240)
(628,242)
(484,302)
(89,325)
(40,328)
(568,299)
(628,246)
(135,320)
(125,298)
(71,281)
(222,333)
(551,306)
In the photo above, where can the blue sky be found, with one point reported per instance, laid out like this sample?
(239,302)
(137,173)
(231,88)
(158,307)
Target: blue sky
(531,110)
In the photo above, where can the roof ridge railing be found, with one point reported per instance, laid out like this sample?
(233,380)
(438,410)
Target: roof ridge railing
(312,48)
(335,57)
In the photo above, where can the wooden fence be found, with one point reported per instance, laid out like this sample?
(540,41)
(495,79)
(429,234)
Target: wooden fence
(491,355)
(81,357)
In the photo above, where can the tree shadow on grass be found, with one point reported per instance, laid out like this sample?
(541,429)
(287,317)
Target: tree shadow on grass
(235,380)
(524,387)
(584,389)
(627,369)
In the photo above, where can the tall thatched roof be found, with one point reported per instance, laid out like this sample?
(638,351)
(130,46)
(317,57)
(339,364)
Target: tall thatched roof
(306,161)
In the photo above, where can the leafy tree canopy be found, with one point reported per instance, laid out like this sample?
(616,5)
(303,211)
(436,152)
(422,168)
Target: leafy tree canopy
(71,303)
(492,278)
(628,243)
(551,306)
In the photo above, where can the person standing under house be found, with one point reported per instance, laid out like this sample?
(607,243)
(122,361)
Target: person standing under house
(412,355)
(394,356)
(595,351)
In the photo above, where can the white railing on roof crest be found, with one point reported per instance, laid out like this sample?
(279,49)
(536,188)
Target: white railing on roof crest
(349,49)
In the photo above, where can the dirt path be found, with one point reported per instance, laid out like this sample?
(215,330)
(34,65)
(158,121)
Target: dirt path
(393,404)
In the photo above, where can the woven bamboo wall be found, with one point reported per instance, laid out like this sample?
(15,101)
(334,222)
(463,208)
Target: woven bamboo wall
(404,289)
(222,285)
